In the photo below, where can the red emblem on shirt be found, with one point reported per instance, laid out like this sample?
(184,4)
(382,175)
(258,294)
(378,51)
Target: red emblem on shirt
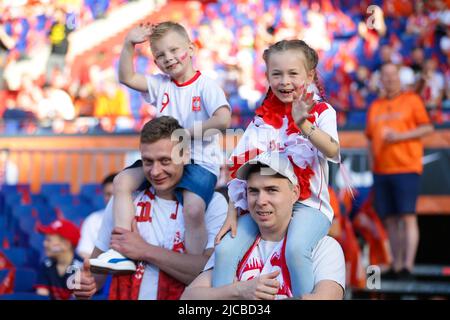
(196,104)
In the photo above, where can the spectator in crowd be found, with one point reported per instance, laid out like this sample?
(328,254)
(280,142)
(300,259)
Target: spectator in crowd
(9,172)
(91,225)
(417,61)
(58,36)
(57,272)
(111,100)
(432,85)
(395,124)
(57,104)
(272,190)
(6,44)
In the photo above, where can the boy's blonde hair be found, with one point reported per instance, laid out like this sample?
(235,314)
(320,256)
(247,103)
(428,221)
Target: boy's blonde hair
(162,28)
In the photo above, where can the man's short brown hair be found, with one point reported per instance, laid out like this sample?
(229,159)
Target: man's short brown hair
(162,28)
(159,128)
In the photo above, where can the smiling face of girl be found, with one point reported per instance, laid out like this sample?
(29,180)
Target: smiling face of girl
(286,72)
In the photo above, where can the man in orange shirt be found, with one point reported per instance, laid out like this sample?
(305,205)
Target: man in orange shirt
(395,124)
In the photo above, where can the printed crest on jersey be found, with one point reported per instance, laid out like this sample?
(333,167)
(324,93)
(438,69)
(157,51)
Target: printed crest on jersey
(196,103)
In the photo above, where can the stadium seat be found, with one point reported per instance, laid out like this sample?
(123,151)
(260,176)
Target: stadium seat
(6,238)
(66,199)
(25,280)
(36,243)
(3,222)
(49,189)
(90,189)
(17,255)
(38,199)
(23,296)
(97,202)
(76,214)
(15,188)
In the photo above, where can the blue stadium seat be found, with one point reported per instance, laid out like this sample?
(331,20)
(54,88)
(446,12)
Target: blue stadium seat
(38,199)
(66,199)
(3,222)
(36,243)
(6,238)
(90,189)
(27,225)
(48,189)
(25,280)
(12,199)
(76,214)
(17,255)
(97,202)
(23,296)
(15,188)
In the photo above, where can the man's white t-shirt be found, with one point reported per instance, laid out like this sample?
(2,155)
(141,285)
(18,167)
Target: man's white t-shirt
(165,229)
(327,259)
(192,102)
(89,232)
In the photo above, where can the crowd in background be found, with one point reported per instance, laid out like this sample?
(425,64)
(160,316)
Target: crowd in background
(352,37)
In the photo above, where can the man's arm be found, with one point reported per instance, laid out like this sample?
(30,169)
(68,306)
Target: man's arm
(182,266)
(89,283)
(325,290)
(201,288)
(220,120)
(420,131)
(264,287)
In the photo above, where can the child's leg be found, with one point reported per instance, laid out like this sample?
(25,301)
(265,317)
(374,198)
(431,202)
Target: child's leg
(307,227)
(195,236)
(230,251)
(125,183)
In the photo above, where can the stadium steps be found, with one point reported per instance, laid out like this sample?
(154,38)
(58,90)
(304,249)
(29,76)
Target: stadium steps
(430,281)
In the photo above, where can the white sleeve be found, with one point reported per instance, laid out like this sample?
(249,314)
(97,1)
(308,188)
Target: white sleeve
(328,262)
(327,122)
(104,234)
(215,217)
(153,84)
(213,97)
(87,236)
(257,135)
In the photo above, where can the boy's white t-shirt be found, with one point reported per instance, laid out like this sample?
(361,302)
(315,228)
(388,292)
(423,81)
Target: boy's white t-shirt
(191,102)
(163,231)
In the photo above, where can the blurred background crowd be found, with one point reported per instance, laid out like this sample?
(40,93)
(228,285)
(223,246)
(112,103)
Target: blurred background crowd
(49,85)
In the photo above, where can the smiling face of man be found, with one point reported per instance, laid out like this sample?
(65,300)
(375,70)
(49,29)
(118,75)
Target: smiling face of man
(270,202)
(159,168)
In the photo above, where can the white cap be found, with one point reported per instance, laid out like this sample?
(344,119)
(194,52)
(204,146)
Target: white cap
(277,161)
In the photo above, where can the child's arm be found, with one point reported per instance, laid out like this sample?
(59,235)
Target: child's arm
(125,183)
(127,74)
(303,102)
(229,224)
(220,120)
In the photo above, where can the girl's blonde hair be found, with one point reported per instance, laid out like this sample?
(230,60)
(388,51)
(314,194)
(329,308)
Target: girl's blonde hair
(311,56)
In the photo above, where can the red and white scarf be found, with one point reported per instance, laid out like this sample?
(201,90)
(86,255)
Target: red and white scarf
(252,265)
